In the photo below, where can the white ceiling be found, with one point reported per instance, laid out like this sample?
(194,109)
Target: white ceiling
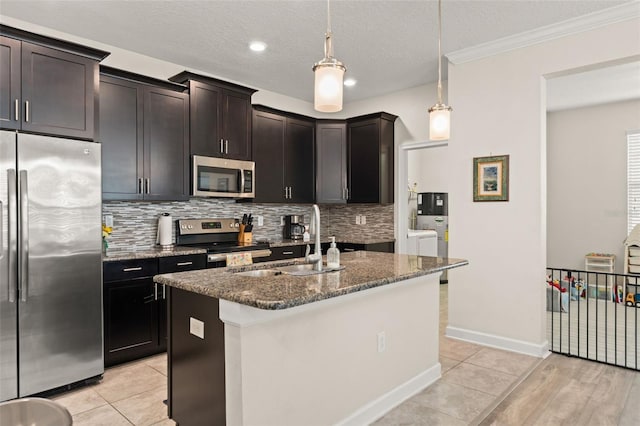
(386,45)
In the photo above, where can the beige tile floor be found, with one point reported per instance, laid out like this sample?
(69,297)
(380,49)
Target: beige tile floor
(475,379)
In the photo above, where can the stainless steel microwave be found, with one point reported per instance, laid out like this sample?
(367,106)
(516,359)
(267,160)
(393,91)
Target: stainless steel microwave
(222,177)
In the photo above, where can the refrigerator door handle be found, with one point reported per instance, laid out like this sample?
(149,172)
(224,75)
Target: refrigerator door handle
(12,252)
(24,236)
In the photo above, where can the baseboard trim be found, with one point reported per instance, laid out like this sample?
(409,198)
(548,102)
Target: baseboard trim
(537,350)
(387,402)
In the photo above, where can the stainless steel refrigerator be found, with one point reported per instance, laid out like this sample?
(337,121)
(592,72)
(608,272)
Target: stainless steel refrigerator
(433,213)
(50,263)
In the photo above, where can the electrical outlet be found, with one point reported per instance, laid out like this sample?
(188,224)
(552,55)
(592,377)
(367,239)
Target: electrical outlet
(363,220)
(357,219)
(107,219)
(196,327)
(382,342)
(260,220)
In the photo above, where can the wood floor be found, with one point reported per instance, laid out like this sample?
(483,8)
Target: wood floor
(572,391)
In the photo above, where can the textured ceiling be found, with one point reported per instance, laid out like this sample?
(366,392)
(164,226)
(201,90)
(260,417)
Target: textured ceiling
(386,45)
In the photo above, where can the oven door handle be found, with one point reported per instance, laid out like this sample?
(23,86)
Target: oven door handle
(241,189)
(219,257)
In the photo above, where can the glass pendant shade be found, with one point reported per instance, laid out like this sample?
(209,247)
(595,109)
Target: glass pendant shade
(328,87)
(439,122)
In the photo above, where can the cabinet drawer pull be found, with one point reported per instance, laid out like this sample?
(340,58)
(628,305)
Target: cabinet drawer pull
(137,268)
(184,263)
(349,249)
(17,109)
(287,252)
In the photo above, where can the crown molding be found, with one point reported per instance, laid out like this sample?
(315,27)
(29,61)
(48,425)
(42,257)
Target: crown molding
(580,24)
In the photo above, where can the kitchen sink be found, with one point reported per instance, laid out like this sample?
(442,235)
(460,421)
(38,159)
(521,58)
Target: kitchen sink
(306,269)
(296,268)
(259,273)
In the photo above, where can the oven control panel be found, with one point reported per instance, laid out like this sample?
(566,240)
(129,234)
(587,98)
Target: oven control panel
(207,226)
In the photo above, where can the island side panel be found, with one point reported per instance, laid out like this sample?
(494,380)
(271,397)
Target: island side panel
(320,363)
(196,365)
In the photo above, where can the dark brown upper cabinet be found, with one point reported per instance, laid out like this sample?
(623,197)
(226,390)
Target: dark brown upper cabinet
(283,150)
(331,162)
(47,86)
(370,147)
(145,137)
(220,117)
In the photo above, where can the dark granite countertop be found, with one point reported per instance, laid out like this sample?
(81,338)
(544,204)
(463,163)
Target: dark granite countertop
(363,270)
(116,255)
(349,240)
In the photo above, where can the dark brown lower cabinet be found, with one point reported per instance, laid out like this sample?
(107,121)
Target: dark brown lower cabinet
(196,363)
(135,308)
(130,311)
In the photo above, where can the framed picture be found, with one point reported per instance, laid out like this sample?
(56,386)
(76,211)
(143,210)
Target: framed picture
(491,178)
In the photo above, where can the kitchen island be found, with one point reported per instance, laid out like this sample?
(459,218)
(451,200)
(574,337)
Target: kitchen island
(267,348)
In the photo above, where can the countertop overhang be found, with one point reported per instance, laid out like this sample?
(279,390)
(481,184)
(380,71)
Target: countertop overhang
(363,270)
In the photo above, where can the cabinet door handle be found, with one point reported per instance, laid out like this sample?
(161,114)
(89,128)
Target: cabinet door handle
(184,263)
(147,185)
(26,111)
(155,291)
(16,108)
(286,192)
(164,291)
(221,146)
(347,191)
(139,185)
(287,252)
(290,192)
(137,268)
(226,147)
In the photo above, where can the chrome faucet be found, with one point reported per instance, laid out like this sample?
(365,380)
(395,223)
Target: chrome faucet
(315,258)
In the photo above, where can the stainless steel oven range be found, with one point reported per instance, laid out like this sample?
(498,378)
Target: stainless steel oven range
(219,237)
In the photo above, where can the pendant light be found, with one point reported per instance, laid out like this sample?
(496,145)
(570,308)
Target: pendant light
(439,114)
(329,73)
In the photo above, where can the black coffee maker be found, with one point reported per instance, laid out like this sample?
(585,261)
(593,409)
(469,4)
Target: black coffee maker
(293,227)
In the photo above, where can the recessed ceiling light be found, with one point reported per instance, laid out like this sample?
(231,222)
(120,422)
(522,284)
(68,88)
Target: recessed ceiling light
(350,82)
(257,46)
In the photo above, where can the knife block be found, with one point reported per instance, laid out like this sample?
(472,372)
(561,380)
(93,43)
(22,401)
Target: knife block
(244,237)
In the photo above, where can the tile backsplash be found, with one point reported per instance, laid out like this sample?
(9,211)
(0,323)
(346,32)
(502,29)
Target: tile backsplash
(135,224)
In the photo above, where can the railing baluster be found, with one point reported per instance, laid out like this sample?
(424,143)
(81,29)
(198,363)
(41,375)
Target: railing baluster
(595,334)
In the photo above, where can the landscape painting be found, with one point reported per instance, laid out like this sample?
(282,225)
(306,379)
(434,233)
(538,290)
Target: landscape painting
(491,178)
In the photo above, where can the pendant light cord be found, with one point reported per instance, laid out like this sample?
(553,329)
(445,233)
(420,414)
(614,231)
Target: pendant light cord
(328,46)
(439,51)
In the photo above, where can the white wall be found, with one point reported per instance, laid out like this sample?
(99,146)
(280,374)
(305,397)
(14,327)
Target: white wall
(499,107)
(587,182)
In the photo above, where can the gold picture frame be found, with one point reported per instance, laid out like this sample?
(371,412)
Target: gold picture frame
(491,178)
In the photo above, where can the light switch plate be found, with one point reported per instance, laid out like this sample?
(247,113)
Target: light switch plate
(196,327)
(260,220)
(363,220)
